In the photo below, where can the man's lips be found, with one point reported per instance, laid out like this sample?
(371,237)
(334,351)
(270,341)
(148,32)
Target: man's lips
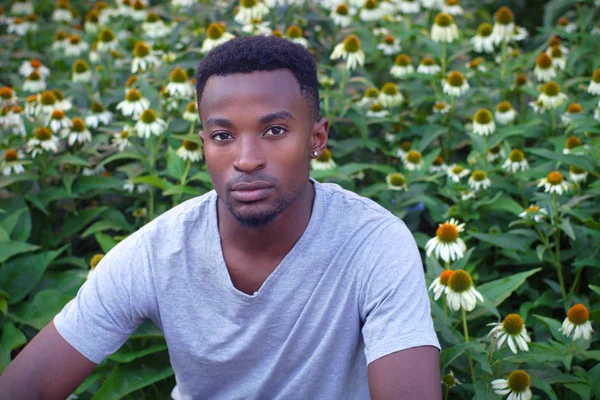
(251,191)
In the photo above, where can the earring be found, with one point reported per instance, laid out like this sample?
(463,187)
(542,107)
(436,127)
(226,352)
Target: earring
(315,153)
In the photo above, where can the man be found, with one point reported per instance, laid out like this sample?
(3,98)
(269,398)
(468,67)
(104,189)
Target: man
(271,286)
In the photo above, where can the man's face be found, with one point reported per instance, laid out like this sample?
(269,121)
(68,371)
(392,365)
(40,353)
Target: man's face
(258,136)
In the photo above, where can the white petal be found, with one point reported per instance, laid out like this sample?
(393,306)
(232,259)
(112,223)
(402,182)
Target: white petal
(511,344)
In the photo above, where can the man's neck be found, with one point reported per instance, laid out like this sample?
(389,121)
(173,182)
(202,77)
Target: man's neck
(275,238)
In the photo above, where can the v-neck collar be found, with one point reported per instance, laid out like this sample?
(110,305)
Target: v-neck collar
(285,262)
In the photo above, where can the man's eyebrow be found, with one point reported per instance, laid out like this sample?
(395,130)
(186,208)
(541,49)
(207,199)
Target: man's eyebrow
(225,123)
(285,115)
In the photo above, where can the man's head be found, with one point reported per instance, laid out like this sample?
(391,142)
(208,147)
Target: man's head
(258,101)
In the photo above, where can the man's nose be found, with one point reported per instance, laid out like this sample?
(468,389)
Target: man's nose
(250,154)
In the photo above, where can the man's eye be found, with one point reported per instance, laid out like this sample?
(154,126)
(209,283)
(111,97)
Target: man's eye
(275,131)
(220,136)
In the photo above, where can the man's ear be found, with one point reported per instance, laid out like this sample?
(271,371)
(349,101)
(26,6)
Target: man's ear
(201,134)
(319,135)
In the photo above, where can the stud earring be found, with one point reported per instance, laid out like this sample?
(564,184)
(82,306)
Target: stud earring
(315,153)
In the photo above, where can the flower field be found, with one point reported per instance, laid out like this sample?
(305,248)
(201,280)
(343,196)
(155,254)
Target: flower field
(476,123)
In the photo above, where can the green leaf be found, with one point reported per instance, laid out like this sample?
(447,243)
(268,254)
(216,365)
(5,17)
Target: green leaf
(543,386)
(175,165)
(153,181)
(85,184)
(17,223)
(498,290)
(11,248)
(68,282)
(46,304)
(134,349)
(179,189)
(452,353)
(73,160)
(504,240)
(101,226)
(122,156)
(106,242)
(595,289)
(147,329)
(12,338)
(569,159)
(9,180)
(127,378)
(75,223)
(19,276)
(565,226)
(360,121)
(553,325)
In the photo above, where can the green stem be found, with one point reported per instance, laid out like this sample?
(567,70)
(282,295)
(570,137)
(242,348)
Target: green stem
(581,26)
(576,281)
(523,108)
(553,121)
(503,73)
(557,244)
(444,50)
(447,392)
(485,152)
(466,332)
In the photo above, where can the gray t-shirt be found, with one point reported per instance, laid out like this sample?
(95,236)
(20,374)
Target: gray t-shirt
(350,291)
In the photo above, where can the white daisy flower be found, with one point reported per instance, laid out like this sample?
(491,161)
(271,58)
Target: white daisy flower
(149,123)
(479,181)
(371,11)
(516,386)
(323,161)
(554,183)
(27,67)
(413,160)
(551,96)
(342,15)
(58,121)
(389,45)
(452,7)
(121,139)
(390,96)
(495,153)
(402,66)
(449,380)
(154,27)
(107,41)
(573,145)
(257,27)
(544,68)
(444,29)
(441,107)
(46,103)
(134,104)
(456,172)
(409,7)
(294,33)
(565,25)
(446,244)
(179,85)
(516,161)
(20,7)
(440,285)
(513,331)
(62,12)
(483,42)
(7,96)
(577,175)
(377,111)
(81,71)
(455,84)
(34,83)
(74,46)
(98,116)
(144,58)
(190,151)
(432,4)
(438,165)
(138,11)
(483,122)
(215,35)
(460,292)
(250,10)
(428,67)
(572,109)
(559,59)
(191,112)
(350,51)
(594,87)
(577,323)
(505,113)
(10,163)
(534,212)
(77,133)
(403,150)
(43,141)
(18,25)
(504,25)
(396,182)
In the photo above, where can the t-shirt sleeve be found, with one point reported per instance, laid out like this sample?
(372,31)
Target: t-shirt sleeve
(393,301)
(111,304)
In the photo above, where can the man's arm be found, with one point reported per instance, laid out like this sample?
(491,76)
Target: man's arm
(47,368)
(407,374)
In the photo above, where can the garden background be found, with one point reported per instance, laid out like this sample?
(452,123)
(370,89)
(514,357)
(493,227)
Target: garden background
(477,123)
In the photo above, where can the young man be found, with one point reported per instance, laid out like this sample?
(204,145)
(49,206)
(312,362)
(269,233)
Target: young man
(271,286)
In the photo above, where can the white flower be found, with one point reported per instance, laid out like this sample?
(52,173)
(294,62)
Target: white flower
(43,140)
(483,122)
(155,29)
(516,161)
(57,121)
(27,67)
(134,104)
(350,51)
(456,172)
(534,212)
(141,64)
(483,41)
(554,183)
(479,181)
(453,9)
(257,27)
(428,67)
(390,96)
(409,7)
(342,15)
(215,35)
(446,244)
(413,160)
(11,164)
(390,45)
(577,174)
(505,113)
(551,96)
(441,107)
(444,29)
(121,139)
(323,162)
(62,15)
(34,83)
(77,132)
(594,86)
(516,386)
(396,181)
(74,46)
(21,8)
(544,68)
(504,26)
(460,292)
(190,151)
(440,284)
(455,84)
(181,89)
(377,111)
(149,123)
(577,322)
(512,330)
(245,15)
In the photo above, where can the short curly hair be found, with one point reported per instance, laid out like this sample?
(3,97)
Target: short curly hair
(262,53)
